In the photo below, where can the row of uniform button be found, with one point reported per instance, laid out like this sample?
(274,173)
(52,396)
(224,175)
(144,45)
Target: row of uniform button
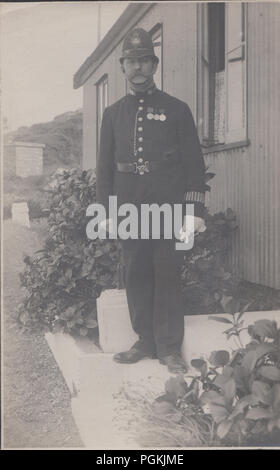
(140,128)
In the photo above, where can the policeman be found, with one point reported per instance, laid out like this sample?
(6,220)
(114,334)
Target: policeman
(150,153)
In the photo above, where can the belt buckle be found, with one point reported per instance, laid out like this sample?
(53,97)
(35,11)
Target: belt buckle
(141,168)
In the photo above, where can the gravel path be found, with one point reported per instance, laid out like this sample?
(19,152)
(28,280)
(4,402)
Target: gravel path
(36,401)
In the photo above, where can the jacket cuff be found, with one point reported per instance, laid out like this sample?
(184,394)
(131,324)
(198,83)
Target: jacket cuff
(196,198)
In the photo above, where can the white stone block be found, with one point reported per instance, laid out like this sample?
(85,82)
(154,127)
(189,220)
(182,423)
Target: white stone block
(20,214)
(115,330)
(203,335)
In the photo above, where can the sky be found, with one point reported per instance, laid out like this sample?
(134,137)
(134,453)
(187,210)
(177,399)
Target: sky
(42,46)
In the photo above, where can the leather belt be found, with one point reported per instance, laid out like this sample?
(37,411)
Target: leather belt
(139,168)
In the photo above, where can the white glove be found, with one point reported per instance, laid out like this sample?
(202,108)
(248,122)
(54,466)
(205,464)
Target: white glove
(192,226)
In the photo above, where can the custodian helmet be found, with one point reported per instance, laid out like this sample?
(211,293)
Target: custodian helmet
(138,43)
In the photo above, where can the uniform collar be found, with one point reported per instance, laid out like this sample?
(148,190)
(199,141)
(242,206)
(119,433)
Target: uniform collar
(150,91)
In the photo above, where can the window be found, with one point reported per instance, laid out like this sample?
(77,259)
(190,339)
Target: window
(222,73)
(101,103)
(156,34)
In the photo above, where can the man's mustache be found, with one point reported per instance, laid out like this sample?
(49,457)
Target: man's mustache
(138,75)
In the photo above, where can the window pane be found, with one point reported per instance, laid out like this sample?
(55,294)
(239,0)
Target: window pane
(205,42)
(235,33)
(236,73)
(235,95)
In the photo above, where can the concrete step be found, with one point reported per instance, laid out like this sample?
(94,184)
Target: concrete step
(97,383)
(202,335)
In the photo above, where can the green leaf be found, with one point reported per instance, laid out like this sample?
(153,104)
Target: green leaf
(71,323)
(225,300)
(220,319)
(270,372)
(242,404)
(262,391)
(83,331)
(212,397)
(223,428)
(249,361)
(229,390)
(218,412)
(198,363)
(175,388)
(232,306)
(264,329)
(219,358)
(91,323)
(276,398)
(252,356)
(259,413)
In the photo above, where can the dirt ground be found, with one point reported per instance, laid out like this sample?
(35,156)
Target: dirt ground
(36,400)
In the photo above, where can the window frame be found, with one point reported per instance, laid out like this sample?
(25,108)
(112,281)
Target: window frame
(155,31)
(231,139)
(104,82)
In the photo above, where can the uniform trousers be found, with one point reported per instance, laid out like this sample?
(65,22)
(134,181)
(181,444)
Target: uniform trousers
(154,295)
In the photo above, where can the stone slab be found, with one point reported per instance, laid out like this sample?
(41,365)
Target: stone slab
(97,383)
(115,330)
(69,354)
(100,410)
(20,214)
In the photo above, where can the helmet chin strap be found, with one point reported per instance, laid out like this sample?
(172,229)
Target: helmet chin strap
(142,87)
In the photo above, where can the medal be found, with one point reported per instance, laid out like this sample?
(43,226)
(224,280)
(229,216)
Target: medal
(162,117)
(156,117)
(150,113)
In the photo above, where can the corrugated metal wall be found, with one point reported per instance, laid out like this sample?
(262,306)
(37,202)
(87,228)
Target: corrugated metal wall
(247,180)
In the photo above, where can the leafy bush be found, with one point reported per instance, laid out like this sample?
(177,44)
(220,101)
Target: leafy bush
(239,392)
(205,276)
(36,210)
(64,279)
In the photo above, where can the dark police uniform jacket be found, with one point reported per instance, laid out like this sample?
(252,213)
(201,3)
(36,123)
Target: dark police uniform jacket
(151,126)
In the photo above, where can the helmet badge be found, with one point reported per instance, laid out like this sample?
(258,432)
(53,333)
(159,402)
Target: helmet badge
(135,40)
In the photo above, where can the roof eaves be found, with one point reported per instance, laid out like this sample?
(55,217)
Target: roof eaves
(134,11)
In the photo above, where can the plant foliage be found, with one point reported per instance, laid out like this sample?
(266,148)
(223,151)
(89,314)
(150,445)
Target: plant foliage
(239,392)
(206,277)
(64,279)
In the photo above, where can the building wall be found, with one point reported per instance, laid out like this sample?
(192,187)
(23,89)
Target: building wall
(246,178)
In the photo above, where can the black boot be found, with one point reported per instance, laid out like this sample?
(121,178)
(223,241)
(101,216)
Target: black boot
(174,363)
(133,355)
